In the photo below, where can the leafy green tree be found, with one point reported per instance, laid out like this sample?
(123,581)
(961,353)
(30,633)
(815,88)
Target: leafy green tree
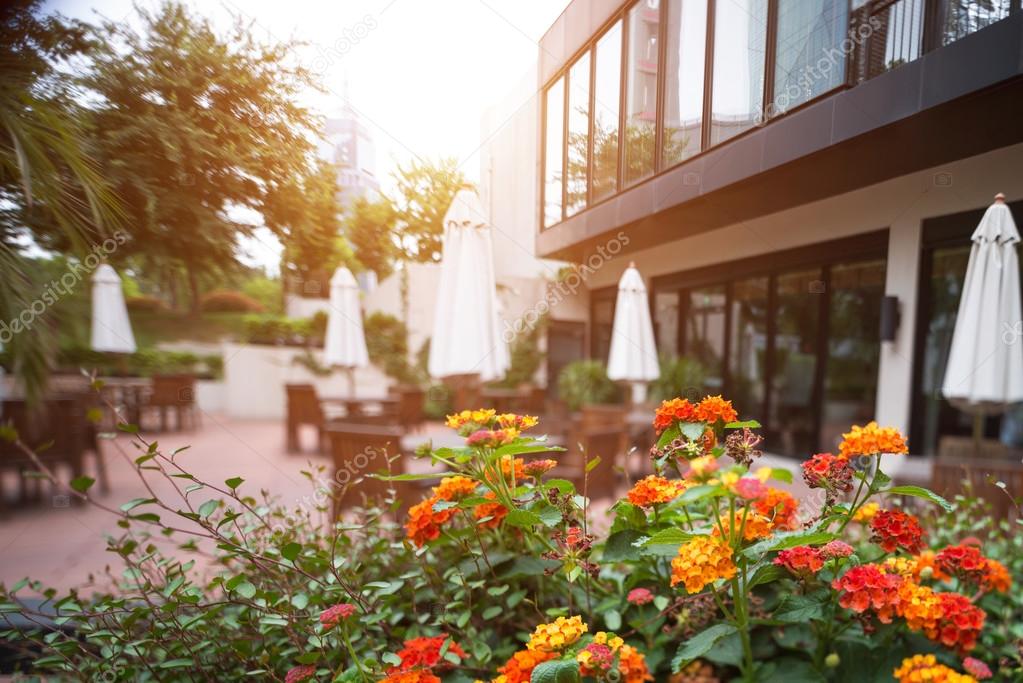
(51,189)
(193,127)
(370,228)
(424,193)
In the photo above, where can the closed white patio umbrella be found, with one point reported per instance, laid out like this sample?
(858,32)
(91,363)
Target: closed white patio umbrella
(466,326)
(984,374)
(111,330)
(633,355)
(345,343)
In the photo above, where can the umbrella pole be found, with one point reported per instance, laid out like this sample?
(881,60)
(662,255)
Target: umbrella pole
(978,431)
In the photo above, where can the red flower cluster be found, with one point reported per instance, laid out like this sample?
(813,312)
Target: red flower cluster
(894,529)
(828,471)
(868,586)
(333,615)
(977,669)
(424,653)
(640,596)
(802,560)
(960,622)
(966,563)
(297,674)
(833,549)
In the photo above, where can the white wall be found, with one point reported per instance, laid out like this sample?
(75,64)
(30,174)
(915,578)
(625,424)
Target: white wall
(254,379)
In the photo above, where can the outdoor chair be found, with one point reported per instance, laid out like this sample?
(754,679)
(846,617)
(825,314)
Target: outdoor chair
(410,406)
(55,431)
(977,475)
(358,450)
(174,393)
(599,431)
(303,408)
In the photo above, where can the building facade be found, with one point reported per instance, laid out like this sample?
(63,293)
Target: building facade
(797,180)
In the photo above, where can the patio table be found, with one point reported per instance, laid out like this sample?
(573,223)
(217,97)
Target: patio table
(129,392)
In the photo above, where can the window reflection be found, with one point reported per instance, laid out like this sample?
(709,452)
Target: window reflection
(748,348)
(705,334)
(606,89)
(808,58)
(960,18)
(641,90)
(666,312)
(683,80)
(792,419)
(854,348)
(740,37)
(553,177)
(578,134)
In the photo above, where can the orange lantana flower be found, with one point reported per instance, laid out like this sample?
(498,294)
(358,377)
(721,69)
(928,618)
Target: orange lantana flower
(713,409)
(872,440)
(519,667)
(495,511)
(700,561)
(925,669)
(756,526)
(655,489)
(670,412)
(556,635)
(454,488)
(780,508)
(411,676)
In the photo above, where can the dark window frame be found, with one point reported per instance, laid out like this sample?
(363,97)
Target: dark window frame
(852,78)
(823,255)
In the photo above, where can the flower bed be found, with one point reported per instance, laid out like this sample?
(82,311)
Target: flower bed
(708,571)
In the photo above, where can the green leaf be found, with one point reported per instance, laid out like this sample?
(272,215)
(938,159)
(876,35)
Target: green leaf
(522,518)
(693,431)
(291,551)
(82,484)
(796,609)
(556,671)
(921,492)
(766,574)
(492,612)
(788,539)
(549,515)
(697,493)
(208,508)
(781,475)
(592,464)
(234,482)
(246,590)
(135,502)
(673,536)
(668,435)
(613,619)
(749,424)
(699,644)
(391,658)
(619,545)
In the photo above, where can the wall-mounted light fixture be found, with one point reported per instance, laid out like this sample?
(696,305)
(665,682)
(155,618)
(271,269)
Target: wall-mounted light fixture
(889,318)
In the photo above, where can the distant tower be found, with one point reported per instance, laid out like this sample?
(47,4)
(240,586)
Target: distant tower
(349,146)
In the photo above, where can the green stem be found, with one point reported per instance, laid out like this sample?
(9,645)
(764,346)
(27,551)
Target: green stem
(351,651)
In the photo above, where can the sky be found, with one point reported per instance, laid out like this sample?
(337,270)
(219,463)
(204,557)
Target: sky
(420,74)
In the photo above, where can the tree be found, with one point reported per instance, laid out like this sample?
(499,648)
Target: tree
(192,127)
(425,190)
(50,186)
(370,228)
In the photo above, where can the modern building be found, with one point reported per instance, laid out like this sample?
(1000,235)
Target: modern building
(797,180)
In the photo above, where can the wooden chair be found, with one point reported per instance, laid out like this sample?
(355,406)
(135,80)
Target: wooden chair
(303,409)
(54,431)
(176,393)
(410,406)
(601,431)
(359,450)
(955,475)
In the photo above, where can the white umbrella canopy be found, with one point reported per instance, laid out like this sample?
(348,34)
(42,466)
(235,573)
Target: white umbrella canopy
(111,329)
(633,355)
(345,343)
(985,361)
(466,326)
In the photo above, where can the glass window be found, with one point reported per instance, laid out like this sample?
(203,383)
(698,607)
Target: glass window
(899,28)
(791,426)
(683,80)
(808,58)
(602,313)
(854,348)
(606,91)
(960,18)
(553,163)
(641,90)
(578,134)
(705,334)
(740,36)
(666,322)
(748,349)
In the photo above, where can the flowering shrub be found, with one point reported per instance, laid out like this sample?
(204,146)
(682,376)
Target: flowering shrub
(706,570)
